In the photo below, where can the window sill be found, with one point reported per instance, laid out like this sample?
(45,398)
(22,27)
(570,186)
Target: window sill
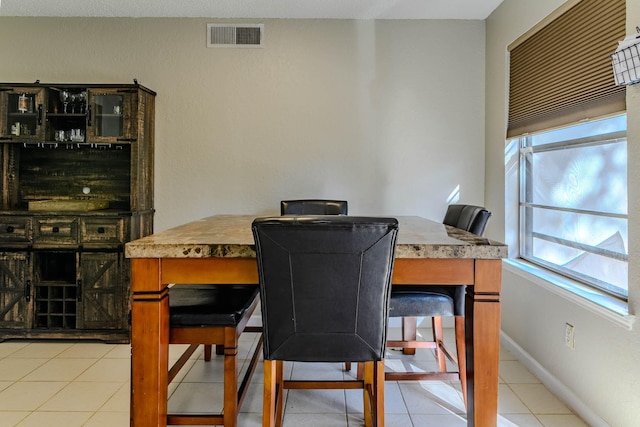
(612,309)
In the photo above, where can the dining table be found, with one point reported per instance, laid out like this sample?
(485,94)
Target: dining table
(220,250)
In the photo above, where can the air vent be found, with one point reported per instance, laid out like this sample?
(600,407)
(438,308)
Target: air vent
(235,35)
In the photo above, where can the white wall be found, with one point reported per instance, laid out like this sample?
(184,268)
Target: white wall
(386,114)
(601,376)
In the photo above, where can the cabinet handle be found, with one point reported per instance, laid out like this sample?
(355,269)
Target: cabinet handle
(5,138)
(55,229)
(27,291)
(10,229)
(39,114)
(101,230)
(89,116)
(79,290)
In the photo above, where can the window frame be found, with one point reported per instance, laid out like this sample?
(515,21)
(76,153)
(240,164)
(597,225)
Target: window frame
(525,233)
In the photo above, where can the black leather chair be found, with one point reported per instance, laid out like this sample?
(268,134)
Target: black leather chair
(214,315)
(471,218)
(313,207)
(410,302)
(325,283)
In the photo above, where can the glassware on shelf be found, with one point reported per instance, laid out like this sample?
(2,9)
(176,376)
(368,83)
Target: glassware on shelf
(77,135)
(71,135)
(65,98)
(78,100)
(20,129)
(82,98)
(23,103)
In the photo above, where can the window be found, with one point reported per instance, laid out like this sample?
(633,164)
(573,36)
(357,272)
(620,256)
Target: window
(567,147)
(573,202)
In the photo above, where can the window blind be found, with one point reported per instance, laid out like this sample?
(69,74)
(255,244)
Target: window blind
(561,74)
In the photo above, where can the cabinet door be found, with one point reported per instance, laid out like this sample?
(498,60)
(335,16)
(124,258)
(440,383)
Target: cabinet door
(101,297)
(22,114)
(15,290)
(112,115)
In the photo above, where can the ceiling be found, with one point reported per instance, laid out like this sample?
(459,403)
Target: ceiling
(291,9)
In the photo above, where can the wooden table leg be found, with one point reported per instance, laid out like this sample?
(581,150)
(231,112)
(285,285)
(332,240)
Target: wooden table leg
(482,315)
(149,344)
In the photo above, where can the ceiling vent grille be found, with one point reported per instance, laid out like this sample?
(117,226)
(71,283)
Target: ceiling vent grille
(235,35)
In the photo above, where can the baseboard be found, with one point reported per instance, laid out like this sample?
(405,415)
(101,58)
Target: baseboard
(561,391)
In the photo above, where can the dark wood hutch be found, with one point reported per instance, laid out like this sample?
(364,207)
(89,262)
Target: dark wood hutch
(77,184)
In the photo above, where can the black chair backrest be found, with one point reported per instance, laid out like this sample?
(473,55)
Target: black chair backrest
(471,218)
(324,286)
(313,207)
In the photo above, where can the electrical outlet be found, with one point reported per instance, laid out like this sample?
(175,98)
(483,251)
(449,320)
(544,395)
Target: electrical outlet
(569,335)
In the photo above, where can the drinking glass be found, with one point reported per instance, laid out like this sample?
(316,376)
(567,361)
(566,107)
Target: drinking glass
(65,97)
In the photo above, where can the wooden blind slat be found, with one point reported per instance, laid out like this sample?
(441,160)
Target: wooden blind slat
(562,73)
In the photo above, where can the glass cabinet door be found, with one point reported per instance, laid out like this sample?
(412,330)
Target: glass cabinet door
(66,114)
(109,113)
(21,114)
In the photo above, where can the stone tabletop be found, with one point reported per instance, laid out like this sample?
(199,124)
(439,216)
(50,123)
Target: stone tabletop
(230,236)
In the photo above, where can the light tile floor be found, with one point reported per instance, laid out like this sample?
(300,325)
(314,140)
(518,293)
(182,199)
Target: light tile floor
(70,384)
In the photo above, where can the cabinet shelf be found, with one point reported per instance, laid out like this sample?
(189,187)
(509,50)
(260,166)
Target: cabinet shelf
(49,144)
(56,305)
(66,115)
(19,114)
(118,145)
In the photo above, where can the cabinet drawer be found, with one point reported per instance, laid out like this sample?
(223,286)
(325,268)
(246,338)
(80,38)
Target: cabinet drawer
(101,231)
(59,231)
(15,229)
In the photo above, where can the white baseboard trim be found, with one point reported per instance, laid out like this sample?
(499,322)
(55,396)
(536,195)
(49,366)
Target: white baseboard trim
(552,383)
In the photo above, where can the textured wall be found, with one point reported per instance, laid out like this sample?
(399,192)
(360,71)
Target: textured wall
(386,114)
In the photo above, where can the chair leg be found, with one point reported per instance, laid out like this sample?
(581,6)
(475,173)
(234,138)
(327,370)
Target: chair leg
(230,412)
(438,338)
(207,352)
(373,394)
(360,371)
(280,392)
(367,393)
(379,390)
(273,393)
(462,355)
(409,332)
(269,395)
